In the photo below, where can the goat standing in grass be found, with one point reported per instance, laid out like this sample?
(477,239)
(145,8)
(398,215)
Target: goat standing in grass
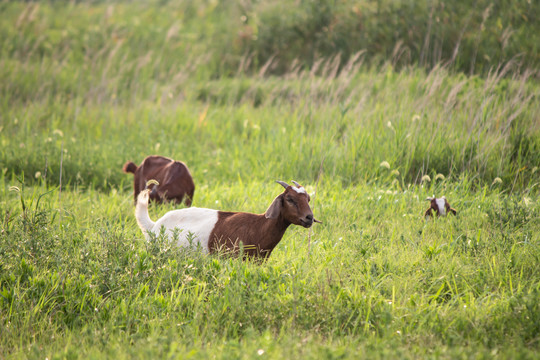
(215,230)
(174,179)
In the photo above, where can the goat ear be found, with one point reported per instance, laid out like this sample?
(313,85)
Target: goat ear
(275,208)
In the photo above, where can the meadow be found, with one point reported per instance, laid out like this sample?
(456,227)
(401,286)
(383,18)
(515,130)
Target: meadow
(84,87)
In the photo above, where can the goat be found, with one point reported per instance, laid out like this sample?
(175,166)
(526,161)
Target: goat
(215,230)
(440,206)
(174,178)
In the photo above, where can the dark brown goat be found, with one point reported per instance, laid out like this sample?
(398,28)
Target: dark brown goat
(215,230)
(174,178)
(440,206)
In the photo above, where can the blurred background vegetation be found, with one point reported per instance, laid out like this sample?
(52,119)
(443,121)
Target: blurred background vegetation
(471,36)
(355,71)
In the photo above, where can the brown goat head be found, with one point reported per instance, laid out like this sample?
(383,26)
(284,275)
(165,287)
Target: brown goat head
(292,205)
(440,206)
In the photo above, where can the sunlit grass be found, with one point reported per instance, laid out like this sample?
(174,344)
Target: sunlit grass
(375,269)
(484,132)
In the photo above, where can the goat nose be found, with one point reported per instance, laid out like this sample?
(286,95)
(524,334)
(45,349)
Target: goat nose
(309,217)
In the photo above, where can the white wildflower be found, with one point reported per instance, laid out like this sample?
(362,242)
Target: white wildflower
(497,180)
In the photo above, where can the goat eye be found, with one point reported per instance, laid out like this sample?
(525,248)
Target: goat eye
(290,200)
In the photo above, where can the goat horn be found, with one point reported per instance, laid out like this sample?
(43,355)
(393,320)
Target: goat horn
(297,184)
(151,182)
(282,183)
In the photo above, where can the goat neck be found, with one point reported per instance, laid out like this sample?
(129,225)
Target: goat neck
(272,233)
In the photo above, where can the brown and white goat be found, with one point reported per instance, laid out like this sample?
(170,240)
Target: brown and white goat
(215,230)
(174,178)
(440,206)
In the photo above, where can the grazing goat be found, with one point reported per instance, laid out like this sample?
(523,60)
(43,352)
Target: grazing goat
(440,206)
(175,181)
(215,230)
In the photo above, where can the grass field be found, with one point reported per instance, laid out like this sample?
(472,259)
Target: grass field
(83,88)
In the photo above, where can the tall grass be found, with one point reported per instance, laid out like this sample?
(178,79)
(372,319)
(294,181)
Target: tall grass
(73,74)
(419,123)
